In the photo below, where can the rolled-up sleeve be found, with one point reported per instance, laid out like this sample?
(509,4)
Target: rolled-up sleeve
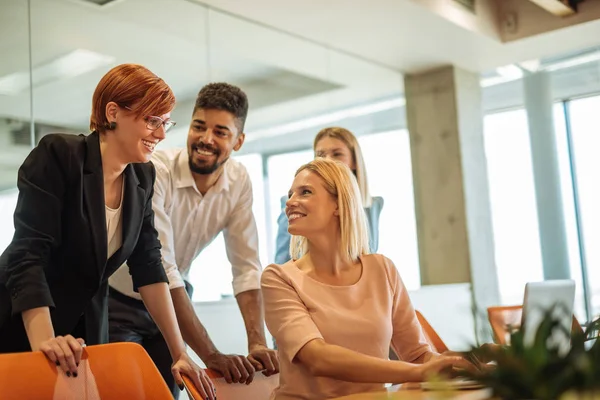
(145,263)
(286,316)
(241,243)
(408,339)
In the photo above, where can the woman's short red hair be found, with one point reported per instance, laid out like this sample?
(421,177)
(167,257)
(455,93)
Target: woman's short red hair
(133,86)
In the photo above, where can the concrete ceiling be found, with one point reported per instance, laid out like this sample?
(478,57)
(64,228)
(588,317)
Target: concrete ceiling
(409,36)
(294,59)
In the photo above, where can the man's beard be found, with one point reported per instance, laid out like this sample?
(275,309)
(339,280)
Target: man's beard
(205,169)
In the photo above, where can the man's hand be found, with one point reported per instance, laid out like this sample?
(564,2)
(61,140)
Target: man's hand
(264,359)
(234,368)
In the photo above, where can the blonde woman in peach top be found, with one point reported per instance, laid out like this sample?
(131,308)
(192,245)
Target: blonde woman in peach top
(334,309)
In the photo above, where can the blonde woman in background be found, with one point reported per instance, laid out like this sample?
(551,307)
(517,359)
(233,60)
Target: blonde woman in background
(341,145)
(334,309)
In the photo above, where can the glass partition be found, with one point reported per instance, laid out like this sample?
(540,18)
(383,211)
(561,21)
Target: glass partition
(16,128)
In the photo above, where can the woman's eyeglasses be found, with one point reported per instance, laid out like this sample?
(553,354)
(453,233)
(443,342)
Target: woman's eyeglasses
(153,122)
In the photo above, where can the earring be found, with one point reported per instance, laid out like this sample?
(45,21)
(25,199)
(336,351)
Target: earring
(112,126)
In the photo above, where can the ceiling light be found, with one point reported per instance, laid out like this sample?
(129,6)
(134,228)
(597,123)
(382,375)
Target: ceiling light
(77,62)
(325,119)
(495,80)
(98,2)
(531,65)
(510,71)
(507,73)
(557,7)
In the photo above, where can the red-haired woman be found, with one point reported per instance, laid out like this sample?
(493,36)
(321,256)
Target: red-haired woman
(84,208)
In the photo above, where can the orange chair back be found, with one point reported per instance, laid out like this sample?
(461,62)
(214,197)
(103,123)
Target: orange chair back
(126,371)
(505,319)
(435,341)
(111,371)
(260,388)
(27,376)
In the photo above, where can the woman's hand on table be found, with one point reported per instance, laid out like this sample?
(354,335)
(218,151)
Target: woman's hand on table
(444,365)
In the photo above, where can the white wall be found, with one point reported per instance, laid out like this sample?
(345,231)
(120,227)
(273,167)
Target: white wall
(448,310)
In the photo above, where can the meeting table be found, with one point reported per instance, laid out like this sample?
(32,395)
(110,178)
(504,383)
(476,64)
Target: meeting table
(415,391)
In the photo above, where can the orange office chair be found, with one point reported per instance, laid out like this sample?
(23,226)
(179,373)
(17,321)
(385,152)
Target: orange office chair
(260,388)
(435,341)
(505,319)
(106,372)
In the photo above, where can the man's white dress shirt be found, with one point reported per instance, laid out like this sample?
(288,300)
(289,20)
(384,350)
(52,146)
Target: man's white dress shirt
(187,222)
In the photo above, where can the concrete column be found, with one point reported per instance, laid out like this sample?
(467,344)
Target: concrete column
(540,117)
(454,224)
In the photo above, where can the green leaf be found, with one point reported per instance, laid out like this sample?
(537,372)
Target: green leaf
(540,371)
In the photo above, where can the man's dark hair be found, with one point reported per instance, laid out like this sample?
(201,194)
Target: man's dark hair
(225,97)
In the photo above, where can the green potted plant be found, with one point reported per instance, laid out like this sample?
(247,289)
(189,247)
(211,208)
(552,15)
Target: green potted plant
(540,371)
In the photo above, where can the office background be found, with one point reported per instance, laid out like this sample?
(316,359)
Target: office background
(345,65)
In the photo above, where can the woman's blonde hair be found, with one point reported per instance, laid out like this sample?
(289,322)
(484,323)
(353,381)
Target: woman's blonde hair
(350,141)
(339,181)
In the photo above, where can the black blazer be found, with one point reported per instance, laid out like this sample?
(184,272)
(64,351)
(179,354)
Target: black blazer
(58,255)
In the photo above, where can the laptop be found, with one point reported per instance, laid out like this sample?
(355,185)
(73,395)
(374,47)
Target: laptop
(540,297)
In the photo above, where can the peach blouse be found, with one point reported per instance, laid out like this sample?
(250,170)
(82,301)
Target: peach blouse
(365,317)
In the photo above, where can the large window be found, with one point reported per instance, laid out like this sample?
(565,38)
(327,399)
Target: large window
(514,209)
(585,131)
(566,183)
(282,168)
(211,271)
(397,226)
(513,203)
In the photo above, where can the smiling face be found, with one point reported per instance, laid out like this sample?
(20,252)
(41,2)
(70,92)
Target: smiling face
(132,135)
(213,135)
(334,149)
(310,208)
